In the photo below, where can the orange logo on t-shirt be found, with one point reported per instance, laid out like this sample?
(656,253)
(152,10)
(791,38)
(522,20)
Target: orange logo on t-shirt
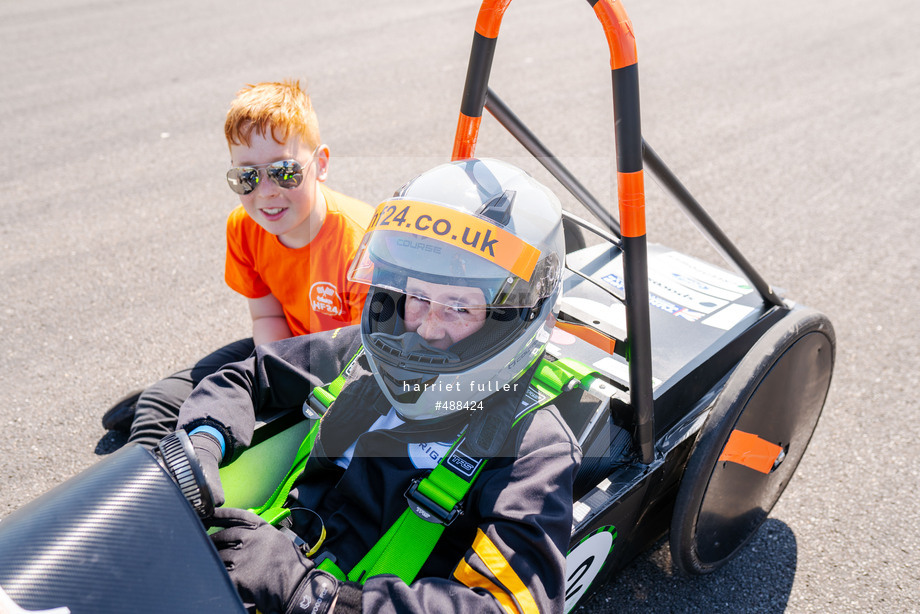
(325,299)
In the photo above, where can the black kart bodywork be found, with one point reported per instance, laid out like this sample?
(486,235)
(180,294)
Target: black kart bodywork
(119,537)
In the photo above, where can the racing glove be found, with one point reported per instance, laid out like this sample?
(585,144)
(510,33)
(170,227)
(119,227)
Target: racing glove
(208,449)
(272,573)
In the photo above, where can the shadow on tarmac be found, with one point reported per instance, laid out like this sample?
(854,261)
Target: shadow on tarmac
(758,580)
(110,442)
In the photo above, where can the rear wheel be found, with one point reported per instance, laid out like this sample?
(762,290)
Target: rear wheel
(752,441)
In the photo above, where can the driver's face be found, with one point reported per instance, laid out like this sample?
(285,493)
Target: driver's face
(442,314)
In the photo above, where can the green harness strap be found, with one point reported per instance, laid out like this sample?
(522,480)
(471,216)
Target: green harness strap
(435,500)
(272,511)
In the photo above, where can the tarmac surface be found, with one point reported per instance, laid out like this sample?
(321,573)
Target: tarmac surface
(794,123)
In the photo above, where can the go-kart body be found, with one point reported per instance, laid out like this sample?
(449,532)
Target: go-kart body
(114,537)
(119,537)
(704,390)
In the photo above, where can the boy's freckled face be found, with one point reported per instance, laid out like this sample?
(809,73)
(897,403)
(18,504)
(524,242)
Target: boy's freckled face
(282,212)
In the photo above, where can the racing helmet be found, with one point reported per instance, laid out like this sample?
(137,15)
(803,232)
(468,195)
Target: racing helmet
(476,246)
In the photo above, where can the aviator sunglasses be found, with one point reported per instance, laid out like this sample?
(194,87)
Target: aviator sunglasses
(287,174)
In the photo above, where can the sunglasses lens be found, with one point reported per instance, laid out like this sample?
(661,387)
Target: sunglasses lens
(243,180)
(288,174)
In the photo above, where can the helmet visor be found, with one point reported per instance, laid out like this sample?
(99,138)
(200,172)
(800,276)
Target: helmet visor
(411,241)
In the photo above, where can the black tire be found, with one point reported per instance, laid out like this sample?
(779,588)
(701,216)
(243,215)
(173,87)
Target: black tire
(574,236)
(776,392)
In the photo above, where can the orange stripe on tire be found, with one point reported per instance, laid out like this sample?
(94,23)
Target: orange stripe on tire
(751,451)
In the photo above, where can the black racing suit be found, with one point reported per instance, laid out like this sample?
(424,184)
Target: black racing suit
(506,551)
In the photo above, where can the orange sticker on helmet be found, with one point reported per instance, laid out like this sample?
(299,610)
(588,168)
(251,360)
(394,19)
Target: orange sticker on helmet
(458,229)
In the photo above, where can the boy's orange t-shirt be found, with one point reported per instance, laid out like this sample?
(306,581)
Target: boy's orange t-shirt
(310,282)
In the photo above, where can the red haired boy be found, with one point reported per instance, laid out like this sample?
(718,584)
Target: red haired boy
(289,245)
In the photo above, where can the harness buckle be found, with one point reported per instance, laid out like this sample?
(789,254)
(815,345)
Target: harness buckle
(317,403)
(428,510)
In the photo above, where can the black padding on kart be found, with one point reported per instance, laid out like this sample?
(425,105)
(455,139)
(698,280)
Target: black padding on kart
(626,110)
(600,457)
(604,447)
(477,87)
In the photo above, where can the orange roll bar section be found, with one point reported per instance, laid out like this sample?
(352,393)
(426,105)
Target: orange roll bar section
(630,190)
(631,196)
(620,38)
(465,140)
(490,17)
(619,31)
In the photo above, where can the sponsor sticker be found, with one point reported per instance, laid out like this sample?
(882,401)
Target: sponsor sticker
(660,303)
(691,289)
(462,464)
(427,455)
(619,370)
(532,398)
(325,299)
(729,316)
(458,229)
(584,562)
(669,288)
(705,277)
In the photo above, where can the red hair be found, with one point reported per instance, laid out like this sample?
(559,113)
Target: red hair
(280,109)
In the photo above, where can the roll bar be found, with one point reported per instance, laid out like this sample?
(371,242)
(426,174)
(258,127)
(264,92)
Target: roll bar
(630,181)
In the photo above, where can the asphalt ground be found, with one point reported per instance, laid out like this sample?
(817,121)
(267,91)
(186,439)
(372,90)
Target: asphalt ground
(794,123)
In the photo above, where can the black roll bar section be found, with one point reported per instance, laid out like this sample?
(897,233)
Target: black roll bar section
(665,176)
